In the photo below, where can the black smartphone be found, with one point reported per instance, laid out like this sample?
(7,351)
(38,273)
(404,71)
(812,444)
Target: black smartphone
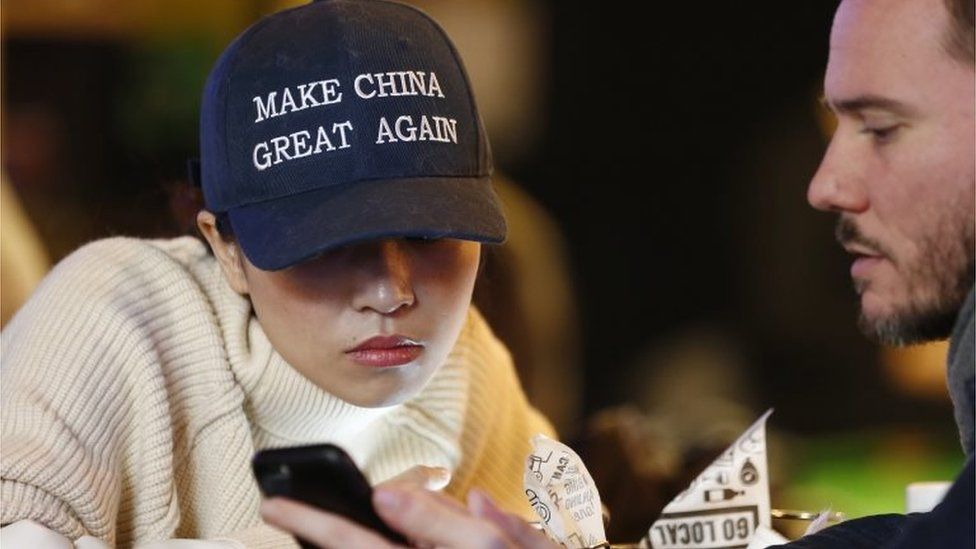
(323,476)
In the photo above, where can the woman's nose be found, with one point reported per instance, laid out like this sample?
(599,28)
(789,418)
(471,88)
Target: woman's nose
(387,286)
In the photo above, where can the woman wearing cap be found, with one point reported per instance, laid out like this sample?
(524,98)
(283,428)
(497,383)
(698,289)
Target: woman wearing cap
(345,216)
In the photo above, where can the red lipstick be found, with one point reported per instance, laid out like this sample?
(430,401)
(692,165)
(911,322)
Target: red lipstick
(386,351)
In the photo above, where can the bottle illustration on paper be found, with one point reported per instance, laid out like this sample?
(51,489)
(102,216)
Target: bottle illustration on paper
(721,494)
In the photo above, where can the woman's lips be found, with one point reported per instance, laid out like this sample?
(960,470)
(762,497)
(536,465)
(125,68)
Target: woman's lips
(386,351)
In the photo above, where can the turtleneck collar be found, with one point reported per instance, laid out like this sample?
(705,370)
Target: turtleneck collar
(283,406)
(289,408)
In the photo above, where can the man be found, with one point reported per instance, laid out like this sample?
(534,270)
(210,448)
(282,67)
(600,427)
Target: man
(900,174)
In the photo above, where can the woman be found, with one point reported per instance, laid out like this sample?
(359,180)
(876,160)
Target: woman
(346,178)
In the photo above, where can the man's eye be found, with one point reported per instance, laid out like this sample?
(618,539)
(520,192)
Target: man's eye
(881,134)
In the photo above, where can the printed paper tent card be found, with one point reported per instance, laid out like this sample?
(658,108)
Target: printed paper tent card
(721,509)
(725,504)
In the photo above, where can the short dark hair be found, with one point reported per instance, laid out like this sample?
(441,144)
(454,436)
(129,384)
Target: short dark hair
(958,39)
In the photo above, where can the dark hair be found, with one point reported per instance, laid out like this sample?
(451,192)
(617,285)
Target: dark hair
(958,39)
(224,227)
(185,202)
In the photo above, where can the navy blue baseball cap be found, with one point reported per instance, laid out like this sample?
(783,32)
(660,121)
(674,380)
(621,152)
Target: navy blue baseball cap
(342,121)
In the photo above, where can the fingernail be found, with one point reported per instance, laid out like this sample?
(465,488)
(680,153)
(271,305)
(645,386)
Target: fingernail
(389,500)
(439,478)
(441,472)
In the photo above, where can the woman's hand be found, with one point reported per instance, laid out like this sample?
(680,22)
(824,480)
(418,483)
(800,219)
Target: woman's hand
(427,518)
(421,476)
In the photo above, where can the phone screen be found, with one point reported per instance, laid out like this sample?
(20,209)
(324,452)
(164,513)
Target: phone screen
(322,476)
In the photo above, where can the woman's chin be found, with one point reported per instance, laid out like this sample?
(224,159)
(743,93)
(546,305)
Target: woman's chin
(380,392)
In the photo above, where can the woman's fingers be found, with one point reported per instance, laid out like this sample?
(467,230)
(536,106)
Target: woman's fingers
(429,478)
(519,531)
(324,529)
(427,520)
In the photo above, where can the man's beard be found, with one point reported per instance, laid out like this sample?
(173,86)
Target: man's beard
(938,283)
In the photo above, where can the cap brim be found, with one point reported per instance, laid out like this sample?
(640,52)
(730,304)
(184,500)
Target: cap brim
(279,233)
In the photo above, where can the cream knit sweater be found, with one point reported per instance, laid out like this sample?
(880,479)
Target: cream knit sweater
(136,386)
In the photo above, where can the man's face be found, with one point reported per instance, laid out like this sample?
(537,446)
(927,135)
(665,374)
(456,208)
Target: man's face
(900,167)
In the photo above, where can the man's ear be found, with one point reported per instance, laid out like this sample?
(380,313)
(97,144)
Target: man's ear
(227,252)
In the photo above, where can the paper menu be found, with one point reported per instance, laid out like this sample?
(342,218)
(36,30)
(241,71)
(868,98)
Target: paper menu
(563,494)
(725,504)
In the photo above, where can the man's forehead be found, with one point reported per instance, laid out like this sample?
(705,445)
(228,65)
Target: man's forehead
(889,27)
(882,49)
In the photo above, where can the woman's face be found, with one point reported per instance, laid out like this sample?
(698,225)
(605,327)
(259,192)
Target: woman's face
(369,323)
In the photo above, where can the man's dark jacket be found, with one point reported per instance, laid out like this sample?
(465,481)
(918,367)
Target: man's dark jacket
(951,524)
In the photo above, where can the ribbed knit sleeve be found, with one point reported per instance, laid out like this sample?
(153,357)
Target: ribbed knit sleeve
(93,424)
(499,425)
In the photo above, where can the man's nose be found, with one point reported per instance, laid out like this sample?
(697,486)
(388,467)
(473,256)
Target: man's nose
(388,285)
(837,186)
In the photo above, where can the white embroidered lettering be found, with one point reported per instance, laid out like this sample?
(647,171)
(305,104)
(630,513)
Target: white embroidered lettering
(266,110)
(347,125)
(385,131)
(385,84)
(321,139)
(263,155)
(434,85)
(425,132)
(287,103)
(305,92)
(447,127)
(280,144)
(412,135)
(426,128)
(359,89)
(302,149)
(310,94)
(417,82)
(330,91)
(396,84)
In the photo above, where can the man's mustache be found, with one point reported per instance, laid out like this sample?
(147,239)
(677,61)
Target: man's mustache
(847,232)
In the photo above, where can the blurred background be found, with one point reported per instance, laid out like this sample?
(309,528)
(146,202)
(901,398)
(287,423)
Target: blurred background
(665,281)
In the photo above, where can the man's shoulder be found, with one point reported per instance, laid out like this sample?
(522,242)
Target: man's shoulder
(863,533)
(961,371)
(950,525)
